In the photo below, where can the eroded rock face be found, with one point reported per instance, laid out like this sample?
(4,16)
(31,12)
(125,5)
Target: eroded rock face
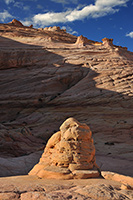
(54,28)
(107,42)
(45,78)
(16,22)
(69,153)
(82,41)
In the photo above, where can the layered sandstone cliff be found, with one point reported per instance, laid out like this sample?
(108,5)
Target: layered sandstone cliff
(46,77)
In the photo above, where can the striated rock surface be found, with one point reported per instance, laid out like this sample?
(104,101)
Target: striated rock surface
(32,188)
(125,180)
(69,153)
(46,78)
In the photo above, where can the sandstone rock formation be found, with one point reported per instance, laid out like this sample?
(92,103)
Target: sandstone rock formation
(32,188)
(54,28)
(69,153)
(107,42)
(45,78)
(125,180)
(82,41)
(16,23)
(31,26)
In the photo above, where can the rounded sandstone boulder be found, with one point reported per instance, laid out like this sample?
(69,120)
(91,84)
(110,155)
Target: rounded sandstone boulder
(69,153)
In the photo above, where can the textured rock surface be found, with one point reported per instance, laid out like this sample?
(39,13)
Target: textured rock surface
(107,42)
(16,22)
(69,153)
(32,188)
(11,166)
(83,41)
(45,78)
(120,178)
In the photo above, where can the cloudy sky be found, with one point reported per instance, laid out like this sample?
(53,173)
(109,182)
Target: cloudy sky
(94,19)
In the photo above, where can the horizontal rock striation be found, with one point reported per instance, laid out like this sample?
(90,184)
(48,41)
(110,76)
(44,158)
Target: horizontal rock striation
(45,77)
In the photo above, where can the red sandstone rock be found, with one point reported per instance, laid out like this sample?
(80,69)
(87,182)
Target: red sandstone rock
(107,42)
(32,188)
(126,180)
(16,23)
(42,83)
(9,196)
(31,26)
(54,28)
(69,153)
(45,78)
(82,41)
(33,196)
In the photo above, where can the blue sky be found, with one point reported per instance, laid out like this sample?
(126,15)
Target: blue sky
(95,19)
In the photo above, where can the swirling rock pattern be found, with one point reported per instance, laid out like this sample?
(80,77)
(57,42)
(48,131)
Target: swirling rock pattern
(49,75)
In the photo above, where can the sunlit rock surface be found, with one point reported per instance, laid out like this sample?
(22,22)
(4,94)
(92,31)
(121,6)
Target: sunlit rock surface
(45,77)
(69,153)
(31,187)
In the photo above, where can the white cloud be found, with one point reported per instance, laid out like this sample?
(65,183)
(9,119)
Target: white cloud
(26,8)
(50,18)
(5,15)
(91,11)
(110,3)
(130,34)
(60,1)
(69,30)
(39,6)
(65,1)
(26,22)
(18,4)
(9,1)
(99,9)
